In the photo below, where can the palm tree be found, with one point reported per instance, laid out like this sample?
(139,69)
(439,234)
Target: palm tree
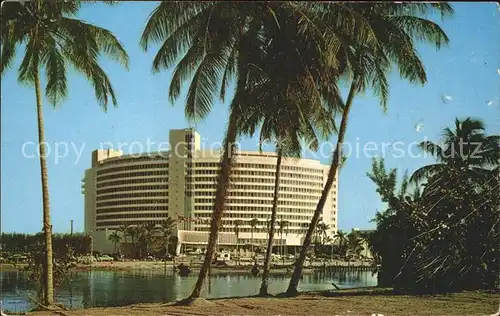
(146,232)
(329,241)
(467,152)
(167,228)
(134,233)
(341,237)
(53,37)
(393,28)
(283,227)
(124,229)
(114,238)
(460,191)
(237,224)
(215,43)
(321,230)
(268,225)
(354,244)
(209,38)
(288,110)
(253,225)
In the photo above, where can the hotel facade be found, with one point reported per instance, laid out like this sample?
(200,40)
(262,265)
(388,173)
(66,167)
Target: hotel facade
(180,184)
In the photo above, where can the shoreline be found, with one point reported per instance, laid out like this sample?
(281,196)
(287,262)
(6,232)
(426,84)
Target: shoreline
(155,266)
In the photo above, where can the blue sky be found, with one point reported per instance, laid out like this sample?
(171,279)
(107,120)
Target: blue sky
(466,71)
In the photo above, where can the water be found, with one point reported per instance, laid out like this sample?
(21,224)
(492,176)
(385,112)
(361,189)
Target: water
(109,288)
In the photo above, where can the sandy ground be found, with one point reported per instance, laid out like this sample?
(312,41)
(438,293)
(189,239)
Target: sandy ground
(468,303)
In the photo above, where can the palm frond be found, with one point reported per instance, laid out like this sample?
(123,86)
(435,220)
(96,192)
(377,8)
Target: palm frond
(108,44)
(204,87)
(29,64)
(168,17)
(8,53)
(432,148)
(425,172)
(420,29)
(55,71)
(182,39)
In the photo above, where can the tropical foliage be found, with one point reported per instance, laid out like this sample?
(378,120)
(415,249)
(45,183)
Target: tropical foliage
(14,243)
(115,238)
(167,229)
(444,234)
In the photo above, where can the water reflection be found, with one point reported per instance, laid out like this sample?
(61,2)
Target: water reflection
(106,288)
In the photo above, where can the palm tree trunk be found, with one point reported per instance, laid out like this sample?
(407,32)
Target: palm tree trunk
(47,227)
(267,263)
(282,249)
(237,251)
(166,247)
(220,199)
(331,252)
(332,174)
(340,248)
(251,245)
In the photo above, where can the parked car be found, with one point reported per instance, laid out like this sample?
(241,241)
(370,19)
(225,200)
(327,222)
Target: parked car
(168,257)
(105,258)
(86,259)
(17,258)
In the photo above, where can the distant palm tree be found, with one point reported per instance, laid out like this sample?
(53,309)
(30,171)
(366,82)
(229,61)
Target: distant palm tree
(53,38)
(124,228)
(322,231)
(167,229)
(253,225)
(237,224)
(146,232)
(341,237)
(268,225)
(281,224)
(467,152)
(329,241)
(133,232)
(283,227)
(115,239)
(354,243)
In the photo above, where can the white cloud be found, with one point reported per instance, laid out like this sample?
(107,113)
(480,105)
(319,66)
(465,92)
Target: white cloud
(446,98)
(419,127)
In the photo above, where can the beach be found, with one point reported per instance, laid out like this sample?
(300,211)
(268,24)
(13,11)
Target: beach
(352,302)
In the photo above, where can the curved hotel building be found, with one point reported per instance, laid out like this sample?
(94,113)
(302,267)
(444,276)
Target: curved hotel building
(136,189)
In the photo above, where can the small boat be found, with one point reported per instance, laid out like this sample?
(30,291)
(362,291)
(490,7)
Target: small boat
(255,270)
(184,270)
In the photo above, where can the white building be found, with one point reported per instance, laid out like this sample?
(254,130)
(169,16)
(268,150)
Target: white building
(136,189)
